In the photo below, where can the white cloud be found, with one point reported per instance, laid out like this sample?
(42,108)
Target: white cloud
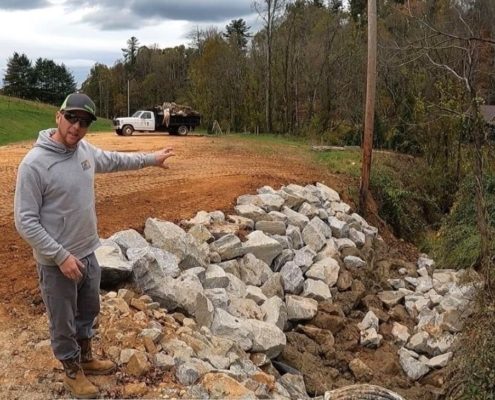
(80,33)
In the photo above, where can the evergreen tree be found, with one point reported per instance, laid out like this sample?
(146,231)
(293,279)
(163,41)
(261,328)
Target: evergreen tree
(238,32)
(65,84)
(19,78)
(130,53)
(52,82)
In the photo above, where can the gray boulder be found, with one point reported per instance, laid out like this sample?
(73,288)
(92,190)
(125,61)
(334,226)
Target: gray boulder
(170,237)
(262,246)
(114,269)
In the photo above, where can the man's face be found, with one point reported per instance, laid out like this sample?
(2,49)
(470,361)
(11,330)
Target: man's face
(71,127)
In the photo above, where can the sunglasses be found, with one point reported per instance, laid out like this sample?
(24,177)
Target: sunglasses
(74,119)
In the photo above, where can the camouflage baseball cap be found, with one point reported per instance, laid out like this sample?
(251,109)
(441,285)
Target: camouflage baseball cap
(79,101)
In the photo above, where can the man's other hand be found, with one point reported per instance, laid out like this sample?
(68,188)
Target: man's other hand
(72,268)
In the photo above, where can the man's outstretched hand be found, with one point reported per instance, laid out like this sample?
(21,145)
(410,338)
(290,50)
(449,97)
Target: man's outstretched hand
(162,155)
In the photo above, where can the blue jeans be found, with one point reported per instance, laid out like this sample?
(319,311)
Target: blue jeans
(71,306)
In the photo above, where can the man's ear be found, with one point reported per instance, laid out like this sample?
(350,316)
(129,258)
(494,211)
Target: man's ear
(58,115)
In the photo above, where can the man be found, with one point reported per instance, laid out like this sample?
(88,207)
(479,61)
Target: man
(54,209)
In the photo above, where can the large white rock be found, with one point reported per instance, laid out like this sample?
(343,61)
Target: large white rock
(267,338)
(301,192)
(327,193)
(326,270)
(313,235)
(390,297)
(129,238)
(170,237)
(413,368)
(370,320)
(304,257)
(201,233)
(245,309)
(294,234)
(271,227)
(329,250)
(263,247)
(295,218)
(400,333)
(215,277)
(236,287)
(228,326)
(254,271)
(228,246)
(155,259)
(300,308)
(359,238)
(309,210)
(256,294)
(113,268)
(315,289)
(292,278)
(251,212)
(191,297)
(275,311)
(354,262)
(339,228)
(218,297)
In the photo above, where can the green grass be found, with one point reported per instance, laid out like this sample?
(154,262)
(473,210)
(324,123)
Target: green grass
(22,120)
(346,162)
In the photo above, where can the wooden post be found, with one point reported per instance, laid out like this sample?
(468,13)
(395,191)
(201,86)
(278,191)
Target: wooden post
(370,109)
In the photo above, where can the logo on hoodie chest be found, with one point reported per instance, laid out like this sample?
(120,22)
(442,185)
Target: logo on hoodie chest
(85,165)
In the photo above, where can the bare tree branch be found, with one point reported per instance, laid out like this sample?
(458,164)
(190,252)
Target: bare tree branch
(451,70)
(456,37)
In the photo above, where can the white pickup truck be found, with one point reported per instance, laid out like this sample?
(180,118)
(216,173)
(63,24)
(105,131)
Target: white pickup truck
(152,121)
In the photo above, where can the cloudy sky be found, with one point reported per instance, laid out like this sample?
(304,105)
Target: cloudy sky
(82,32)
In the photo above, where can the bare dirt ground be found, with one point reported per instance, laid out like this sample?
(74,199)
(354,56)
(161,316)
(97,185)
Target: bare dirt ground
(207,173)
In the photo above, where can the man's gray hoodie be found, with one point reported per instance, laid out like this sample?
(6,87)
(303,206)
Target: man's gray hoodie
(54,203)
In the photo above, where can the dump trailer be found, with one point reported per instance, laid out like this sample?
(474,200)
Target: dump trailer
(176,120)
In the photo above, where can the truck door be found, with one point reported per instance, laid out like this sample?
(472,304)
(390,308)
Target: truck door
(148,121)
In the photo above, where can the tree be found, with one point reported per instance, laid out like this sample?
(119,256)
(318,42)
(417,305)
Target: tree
(130,53)
(357,10)
(335,5)
(238,32)
(98,86)
(269,10)
(52,82)
(457,49)
(19,77)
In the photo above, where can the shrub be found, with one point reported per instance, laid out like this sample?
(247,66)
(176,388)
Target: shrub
(403,201)
(458,242)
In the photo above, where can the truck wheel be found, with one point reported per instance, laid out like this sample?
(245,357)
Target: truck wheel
(127,130)
(182,130)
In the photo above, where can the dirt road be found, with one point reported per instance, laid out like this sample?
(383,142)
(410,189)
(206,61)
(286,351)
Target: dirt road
(207,173)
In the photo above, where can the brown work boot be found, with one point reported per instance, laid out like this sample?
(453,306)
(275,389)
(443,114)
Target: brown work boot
(90,365)
(76,382)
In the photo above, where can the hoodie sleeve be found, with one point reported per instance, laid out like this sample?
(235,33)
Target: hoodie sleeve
(27,205)
(111,161)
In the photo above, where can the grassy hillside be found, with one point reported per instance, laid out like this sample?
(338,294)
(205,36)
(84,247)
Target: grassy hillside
(22,120)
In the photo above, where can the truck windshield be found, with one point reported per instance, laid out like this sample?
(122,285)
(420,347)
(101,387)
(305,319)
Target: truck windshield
(136,114)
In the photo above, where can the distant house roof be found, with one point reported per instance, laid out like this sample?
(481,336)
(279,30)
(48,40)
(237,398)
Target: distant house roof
(488,113)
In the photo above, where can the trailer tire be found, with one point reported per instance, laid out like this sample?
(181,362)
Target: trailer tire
(127,130)
(183,130)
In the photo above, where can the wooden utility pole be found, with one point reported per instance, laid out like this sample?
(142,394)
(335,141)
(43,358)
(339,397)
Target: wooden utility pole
(370,109)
